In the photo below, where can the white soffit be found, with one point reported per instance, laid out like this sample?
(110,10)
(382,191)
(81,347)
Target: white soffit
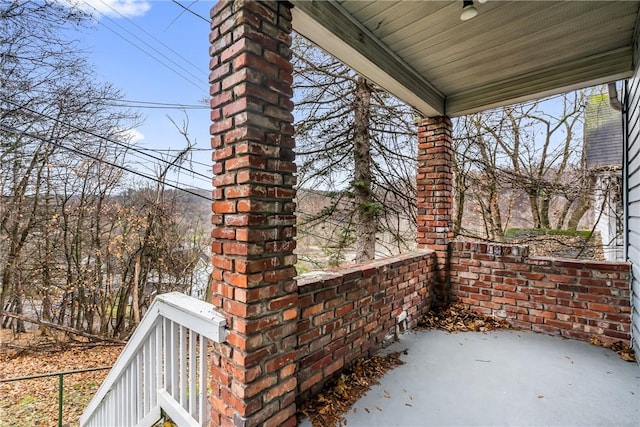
(511,52)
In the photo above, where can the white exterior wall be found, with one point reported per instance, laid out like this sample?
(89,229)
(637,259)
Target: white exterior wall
(607,213)
(632,163)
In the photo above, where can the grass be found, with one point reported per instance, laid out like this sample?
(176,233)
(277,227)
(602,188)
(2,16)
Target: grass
(26,400)
(515,233)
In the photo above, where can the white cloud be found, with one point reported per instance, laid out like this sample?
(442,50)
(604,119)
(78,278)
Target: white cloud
(113,8)
(133,135)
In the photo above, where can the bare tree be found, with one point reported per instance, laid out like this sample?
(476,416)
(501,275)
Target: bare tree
(357,143)
(531,148)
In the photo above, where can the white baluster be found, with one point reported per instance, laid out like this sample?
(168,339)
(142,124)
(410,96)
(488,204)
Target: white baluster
(183,366)
(175,342)
(157,383)
(192,373)
(139,388)
(168,355)
(163,365)
(202,401)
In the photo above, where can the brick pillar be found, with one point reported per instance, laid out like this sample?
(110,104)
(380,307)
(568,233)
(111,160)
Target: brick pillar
(253,374)
(435,195)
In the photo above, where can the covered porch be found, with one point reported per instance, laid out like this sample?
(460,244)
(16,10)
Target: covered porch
(288,335)
(283,337)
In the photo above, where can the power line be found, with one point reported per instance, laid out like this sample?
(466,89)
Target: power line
(188,9)
(103,161)
(104,138)
(151,35)
(153,105)
(169,150)
(196,85)
(126,39)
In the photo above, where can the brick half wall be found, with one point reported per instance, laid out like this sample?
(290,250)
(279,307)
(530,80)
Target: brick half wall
(349,313)
(572,298)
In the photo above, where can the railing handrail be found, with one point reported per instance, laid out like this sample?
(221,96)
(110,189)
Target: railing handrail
(60,375)
(54,374)
(182,309)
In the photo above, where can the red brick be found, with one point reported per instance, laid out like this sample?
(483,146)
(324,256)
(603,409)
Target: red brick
(501,300)
(603,307)
(543,299)
(543,314)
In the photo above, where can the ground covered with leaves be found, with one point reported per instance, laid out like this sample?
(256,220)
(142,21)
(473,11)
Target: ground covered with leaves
(328,407)
(34,402)
(458,318)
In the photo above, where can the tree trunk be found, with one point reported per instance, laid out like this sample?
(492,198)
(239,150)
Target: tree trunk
(457,221)
(460,189)
(366,208)
(535,211)
(135,305)
(496,217)
(564,212)
(584,203)
(544,212)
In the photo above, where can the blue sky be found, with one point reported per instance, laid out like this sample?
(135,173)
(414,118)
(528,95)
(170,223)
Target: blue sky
(157,52)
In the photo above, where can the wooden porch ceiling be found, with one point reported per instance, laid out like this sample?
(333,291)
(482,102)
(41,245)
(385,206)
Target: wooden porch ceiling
(512,51)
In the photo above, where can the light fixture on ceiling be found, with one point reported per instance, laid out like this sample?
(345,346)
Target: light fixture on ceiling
(468,10)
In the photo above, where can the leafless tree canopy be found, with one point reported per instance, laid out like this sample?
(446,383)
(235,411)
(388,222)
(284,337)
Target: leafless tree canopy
(357,153)
(532,149)
(357,144)
(81,243)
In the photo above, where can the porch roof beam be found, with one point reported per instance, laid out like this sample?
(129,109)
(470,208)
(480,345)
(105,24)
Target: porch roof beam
(328,25)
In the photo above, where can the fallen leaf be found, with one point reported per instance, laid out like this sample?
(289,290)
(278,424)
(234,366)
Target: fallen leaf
(459,318)
(328,406)
(625,352)
(34,402)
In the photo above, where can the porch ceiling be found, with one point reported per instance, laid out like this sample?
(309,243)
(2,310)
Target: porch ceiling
(512,51)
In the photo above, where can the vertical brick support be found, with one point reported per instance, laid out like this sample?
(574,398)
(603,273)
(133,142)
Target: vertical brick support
(435,195)
(253,374)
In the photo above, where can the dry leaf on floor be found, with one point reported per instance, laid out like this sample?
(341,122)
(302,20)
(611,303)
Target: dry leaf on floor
(625,352)
(336,398)
(458,318)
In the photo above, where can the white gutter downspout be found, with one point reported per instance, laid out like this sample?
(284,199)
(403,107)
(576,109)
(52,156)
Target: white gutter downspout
(613,96)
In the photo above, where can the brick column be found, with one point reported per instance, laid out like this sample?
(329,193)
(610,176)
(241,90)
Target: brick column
(435,195)
(253,374)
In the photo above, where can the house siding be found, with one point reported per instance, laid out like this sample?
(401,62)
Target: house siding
(632,163)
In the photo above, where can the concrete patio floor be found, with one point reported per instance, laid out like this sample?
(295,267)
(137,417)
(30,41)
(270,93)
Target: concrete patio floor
(501,378)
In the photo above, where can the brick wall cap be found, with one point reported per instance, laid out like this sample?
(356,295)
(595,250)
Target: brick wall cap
(584,263)
(316,276)
(325,275)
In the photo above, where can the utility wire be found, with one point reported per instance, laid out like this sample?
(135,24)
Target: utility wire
(153,105)
(169,150)
(196,67)
(192,82)
(104,138)
(187,79)
(187,9)
(103,161)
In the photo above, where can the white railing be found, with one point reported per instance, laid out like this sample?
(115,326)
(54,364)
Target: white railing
(163,367)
